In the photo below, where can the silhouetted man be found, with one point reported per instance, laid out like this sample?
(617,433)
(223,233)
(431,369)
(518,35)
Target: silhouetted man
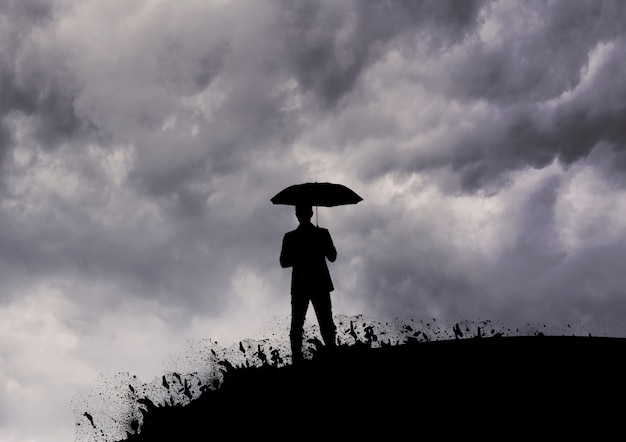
(306,249)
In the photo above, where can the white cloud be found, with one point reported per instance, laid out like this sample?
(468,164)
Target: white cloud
(40,367)
(591,211)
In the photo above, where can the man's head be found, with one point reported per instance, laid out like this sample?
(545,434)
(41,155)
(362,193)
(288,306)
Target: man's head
(304,213)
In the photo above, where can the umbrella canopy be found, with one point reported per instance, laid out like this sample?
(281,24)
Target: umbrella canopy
(317,194)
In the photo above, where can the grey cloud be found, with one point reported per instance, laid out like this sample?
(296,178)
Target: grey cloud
(592,286)
(185,176)
(419,281)
(424,266)
(200,103)
(403,261)
(547,87)
(534,135)
(583,288)
(330,43)
(539,53)
(535,250)
(34,83)
(189,73)
(190,262)
(27,11)
(325,45)
(69,247)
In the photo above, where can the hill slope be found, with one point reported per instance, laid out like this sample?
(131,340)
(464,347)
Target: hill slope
(444,388)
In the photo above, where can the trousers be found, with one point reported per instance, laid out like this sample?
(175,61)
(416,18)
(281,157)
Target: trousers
(323,311)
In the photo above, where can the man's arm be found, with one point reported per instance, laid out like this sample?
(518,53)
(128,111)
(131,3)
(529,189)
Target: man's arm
(331,251)
(286,258)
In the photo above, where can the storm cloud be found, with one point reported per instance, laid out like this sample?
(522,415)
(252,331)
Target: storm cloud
(141,142)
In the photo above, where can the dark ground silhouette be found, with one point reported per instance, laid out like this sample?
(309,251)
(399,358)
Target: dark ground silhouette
(480,386)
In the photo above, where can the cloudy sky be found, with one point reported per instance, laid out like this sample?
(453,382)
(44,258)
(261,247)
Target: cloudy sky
(140,143)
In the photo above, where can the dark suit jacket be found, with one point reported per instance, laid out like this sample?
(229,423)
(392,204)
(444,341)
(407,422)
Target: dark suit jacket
(306,250)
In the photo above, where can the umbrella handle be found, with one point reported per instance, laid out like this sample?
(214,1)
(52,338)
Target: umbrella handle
(316,219)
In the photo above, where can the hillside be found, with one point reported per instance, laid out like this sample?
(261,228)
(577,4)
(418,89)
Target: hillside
(454,387)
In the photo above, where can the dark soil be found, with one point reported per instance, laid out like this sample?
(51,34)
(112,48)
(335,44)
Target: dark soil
(497,388)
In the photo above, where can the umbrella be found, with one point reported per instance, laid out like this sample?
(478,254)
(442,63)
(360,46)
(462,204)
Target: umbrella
(317,194)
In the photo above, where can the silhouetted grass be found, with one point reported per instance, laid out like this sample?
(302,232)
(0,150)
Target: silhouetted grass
(458,387)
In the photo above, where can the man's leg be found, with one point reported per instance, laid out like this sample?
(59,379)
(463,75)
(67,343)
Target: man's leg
(299,306)
(323,311)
